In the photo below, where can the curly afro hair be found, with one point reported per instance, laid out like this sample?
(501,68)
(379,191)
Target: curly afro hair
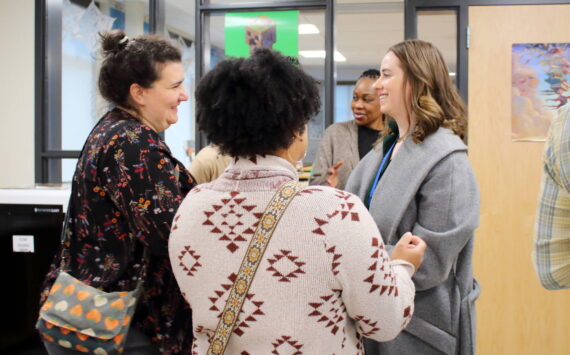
(254,106)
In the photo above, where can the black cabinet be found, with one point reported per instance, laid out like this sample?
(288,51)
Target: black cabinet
(23,272)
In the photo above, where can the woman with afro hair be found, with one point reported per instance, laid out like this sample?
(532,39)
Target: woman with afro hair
(325,263)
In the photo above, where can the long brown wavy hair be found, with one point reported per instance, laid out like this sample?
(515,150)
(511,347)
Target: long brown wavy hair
(435,101)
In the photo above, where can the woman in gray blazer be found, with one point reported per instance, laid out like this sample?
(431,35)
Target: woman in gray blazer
(345,143)
(423,182)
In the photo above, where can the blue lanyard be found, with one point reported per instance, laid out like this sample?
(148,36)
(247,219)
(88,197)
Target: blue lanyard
(377,177)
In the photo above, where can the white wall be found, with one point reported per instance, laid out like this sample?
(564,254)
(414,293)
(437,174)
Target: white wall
(17,26)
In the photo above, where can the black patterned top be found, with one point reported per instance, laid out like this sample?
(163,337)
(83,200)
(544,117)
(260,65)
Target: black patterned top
(125,191)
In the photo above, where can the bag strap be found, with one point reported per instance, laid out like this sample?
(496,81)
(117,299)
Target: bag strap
(249,265)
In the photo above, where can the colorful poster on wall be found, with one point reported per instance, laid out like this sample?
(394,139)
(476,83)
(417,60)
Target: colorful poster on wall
(540,85)
(276,30)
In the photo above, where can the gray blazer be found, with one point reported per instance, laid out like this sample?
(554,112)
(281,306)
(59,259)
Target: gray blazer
(340,142)
(430,190)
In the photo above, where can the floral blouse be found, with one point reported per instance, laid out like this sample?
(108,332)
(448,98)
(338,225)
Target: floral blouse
(126,189)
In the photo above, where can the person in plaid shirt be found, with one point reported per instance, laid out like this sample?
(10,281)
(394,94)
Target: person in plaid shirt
(551,252)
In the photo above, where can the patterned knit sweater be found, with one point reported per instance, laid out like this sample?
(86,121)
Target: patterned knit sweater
(325,280)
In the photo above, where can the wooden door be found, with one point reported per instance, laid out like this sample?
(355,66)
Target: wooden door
(515,315)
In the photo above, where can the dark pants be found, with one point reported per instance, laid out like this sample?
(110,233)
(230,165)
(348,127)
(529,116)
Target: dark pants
(137,344)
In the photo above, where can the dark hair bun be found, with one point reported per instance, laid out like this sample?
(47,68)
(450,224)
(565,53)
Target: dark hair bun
(113,41)
(128,61)
(370,73)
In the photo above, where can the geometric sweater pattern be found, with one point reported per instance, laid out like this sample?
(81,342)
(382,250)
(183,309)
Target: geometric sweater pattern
(325,280)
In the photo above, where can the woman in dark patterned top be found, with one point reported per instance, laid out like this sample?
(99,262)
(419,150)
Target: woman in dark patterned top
(126,189)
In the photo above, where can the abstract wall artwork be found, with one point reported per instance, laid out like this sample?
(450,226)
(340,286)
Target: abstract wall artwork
(540,85)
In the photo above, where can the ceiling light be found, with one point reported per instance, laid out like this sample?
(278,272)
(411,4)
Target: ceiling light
(338,57)
(308,29)
(451,74)
(312,54)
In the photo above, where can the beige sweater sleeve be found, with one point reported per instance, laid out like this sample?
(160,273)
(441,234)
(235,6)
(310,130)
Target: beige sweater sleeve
(208,164)
(378,293)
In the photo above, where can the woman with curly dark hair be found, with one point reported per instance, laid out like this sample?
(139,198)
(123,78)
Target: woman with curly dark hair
(125,191)
(325,263)
(423,182)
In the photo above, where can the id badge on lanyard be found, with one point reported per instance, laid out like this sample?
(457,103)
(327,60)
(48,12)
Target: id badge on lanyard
(380,169)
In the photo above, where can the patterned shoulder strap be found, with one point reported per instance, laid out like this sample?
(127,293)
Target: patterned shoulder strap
(249,264)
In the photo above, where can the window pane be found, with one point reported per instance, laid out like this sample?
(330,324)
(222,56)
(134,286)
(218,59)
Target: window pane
(313,43)
(364,32)
(311,49)
(234,2)
(67,169)
(180,28)
(342,100)
(440,28)
(81,103)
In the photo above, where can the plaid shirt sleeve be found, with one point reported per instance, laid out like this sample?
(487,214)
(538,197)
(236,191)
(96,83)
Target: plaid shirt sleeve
(551,253)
